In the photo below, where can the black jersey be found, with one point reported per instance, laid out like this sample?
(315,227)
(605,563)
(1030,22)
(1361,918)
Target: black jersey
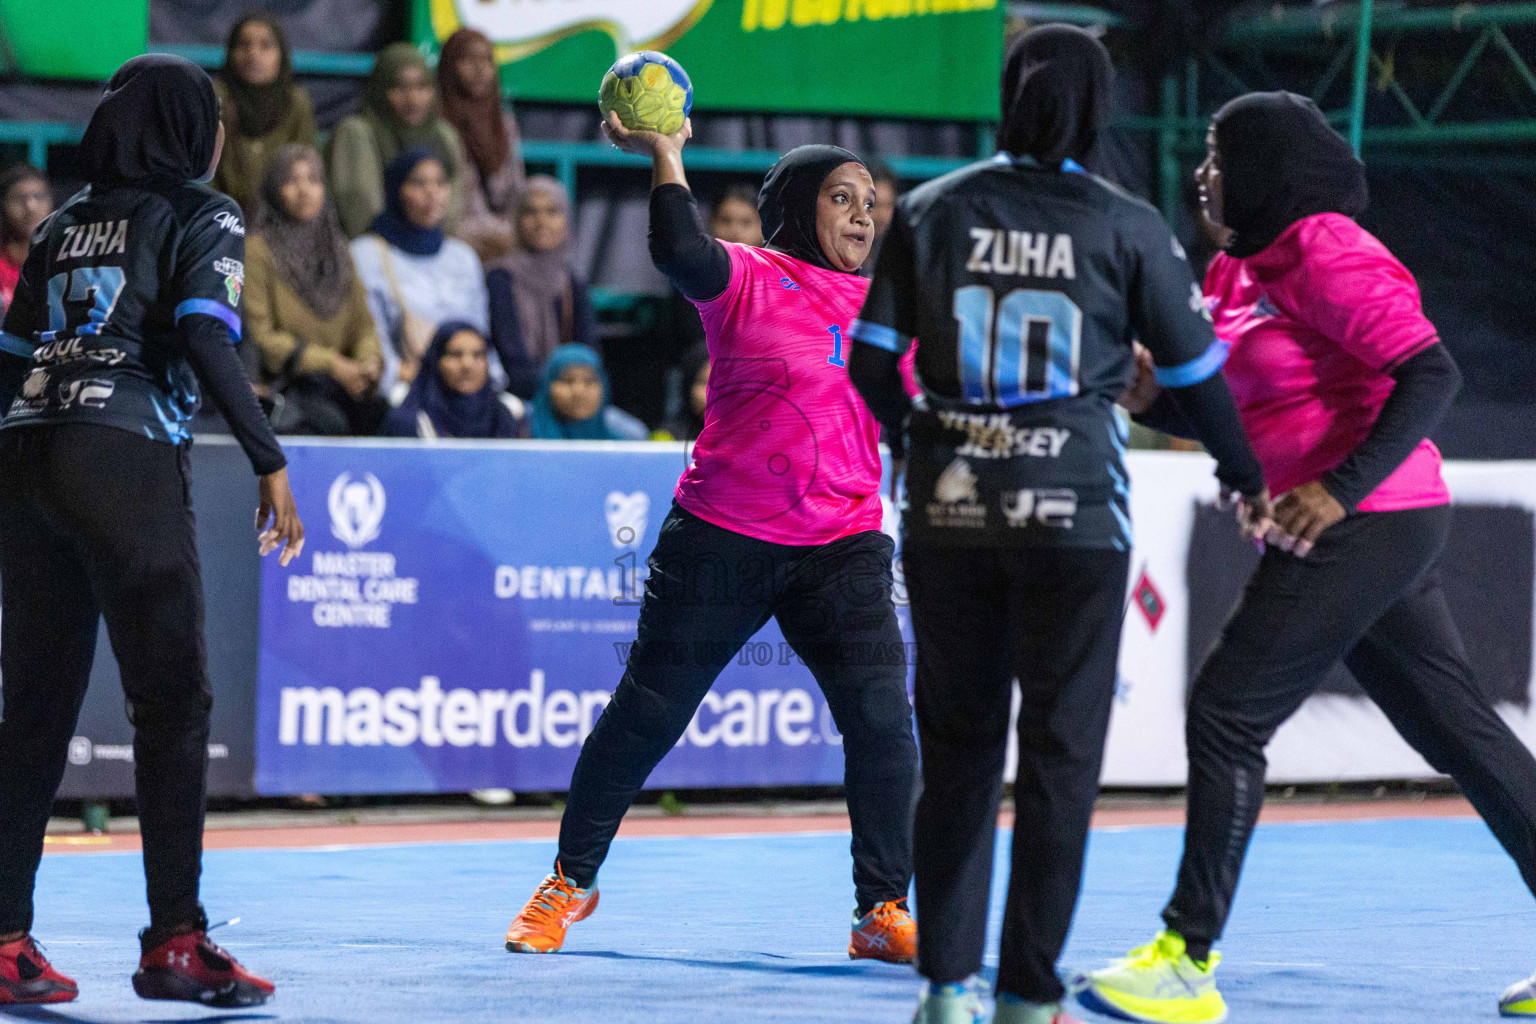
(109,275)
(1025,287)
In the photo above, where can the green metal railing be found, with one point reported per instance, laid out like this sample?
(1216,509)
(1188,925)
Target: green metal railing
(1178,128)
(305,62)
(565,157)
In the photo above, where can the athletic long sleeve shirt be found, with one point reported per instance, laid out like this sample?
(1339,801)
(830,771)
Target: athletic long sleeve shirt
(788,452)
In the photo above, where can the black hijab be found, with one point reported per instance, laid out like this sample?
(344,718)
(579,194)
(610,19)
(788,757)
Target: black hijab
(453,414)
(156,123)
(1281,161)
(258,108)
(787,202)
(1055,93)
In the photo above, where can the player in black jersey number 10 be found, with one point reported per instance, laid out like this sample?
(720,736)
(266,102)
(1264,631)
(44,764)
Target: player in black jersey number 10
(127,308)
(1025,280)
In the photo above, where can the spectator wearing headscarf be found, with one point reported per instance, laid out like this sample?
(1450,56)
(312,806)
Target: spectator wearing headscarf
(572,402)
(305,309)
(453,395)
(25,202)
(537,303)
(416,277)
(400,112)
(262,108)
(470,85)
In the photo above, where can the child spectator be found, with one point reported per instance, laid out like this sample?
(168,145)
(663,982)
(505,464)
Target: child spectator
(260,105)
(25,201)
(493,175)
(305,309)
(416,277)
(400,112)
(572,403)
(537,302)
(453,395)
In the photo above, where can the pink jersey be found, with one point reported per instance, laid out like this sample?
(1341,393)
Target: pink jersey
(1315,321)
(907,365)
(789,453)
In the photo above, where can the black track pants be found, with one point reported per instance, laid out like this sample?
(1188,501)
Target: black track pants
(1367,594)
(709,590)
(97,521)
(1051,618)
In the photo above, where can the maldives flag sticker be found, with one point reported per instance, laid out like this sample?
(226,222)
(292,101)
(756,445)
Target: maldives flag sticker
(1149,600)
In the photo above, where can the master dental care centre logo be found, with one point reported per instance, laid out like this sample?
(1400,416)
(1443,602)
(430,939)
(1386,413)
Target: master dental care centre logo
(354,587)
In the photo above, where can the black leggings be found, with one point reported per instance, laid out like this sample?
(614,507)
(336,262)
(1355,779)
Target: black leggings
(1050,618)
(1367,594)
(97,521)
(709,590)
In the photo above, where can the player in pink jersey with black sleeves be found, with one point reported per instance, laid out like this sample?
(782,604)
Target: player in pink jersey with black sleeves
(1339,378)
(776,516)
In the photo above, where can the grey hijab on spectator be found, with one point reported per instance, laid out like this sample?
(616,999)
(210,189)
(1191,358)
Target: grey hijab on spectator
(541,281)
(311,257)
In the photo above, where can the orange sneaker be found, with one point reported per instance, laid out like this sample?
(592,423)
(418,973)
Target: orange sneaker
(885,933)
(556,905)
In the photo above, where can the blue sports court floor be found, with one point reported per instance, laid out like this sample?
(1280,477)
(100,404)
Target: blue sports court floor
(1381,921)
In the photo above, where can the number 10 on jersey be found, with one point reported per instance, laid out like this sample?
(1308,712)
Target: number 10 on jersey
(1023,349)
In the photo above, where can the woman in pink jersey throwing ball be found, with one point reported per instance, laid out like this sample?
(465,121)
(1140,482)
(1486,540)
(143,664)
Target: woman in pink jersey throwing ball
(776,516)
(1339,379)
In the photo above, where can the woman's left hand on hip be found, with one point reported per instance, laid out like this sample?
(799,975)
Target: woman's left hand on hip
(1301,515)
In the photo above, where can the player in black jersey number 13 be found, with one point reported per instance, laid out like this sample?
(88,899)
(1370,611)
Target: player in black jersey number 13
(127,307)
(1025,280)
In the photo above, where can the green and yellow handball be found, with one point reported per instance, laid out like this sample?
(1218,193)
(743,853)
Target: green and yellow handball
(649,91)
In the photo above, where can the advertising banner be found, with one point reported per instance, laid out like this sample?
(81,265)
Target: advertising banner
(900,58)
(71,38)
(462,613)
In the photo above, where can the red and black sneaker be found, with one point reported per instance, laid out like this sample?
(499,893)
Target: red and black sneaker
(190,968)
(26,976)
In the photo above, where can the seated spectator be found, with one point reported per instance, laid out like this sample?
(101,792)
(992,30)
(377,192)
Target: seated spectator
(887,188)
(25,202)
(734,217)
(416,277)
(305,310)
(453,395)
(687,424)
(537,302)
(261,107)
(400,112)
(470,85)
(572,403)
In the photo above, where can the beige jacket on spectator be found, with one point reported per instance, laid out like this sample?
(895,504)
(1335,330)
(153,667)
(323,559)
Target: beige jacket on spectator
(357,177)
(278,321)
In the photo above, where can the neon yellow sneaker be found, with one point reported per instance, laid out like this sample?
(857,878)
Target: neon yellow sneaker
(1519,1000)
(1157,982)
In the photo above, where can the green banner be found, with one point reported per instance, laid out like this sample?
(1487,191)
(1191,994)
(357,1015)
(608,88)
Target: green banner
(894,58)
(72,38)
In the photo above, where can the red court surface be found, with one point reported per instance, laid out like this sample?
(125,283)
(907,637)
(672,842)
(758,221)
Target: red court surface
(703,824)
